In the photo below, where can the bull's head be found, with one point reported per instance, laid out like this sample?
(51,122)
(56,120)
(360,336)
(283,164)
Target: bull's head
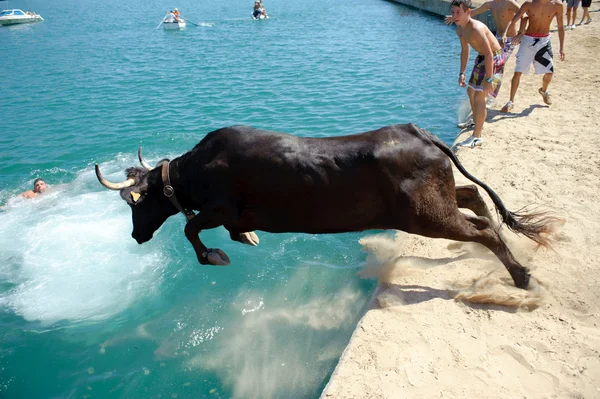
(143,191)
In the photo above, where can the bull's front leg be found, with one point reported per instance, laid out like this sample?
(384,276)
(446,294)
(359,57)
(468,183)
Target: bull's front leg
(206,256)
(248,238)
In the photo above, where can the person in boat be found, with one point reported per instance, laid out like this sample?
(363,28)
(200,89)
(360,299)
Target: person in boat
(176,13)
(259,10)
(39,186)
(256,11)
(170,18)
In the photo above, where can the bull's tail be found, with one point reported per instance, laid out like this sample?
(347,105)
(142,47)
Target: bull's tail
(534,225)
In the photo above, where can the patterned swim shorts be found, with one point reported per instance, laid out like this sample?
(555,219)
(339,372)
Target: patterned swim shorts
(478,75)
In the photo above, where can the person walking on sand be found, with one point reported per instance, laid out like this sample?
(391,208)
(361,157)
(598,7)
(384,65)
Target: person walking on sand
(585,5)
(490,60)
(536,47)
(503,11)
(571,13)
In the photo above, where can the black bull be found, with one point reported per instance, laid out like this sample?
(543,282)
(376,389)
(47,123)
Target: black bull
(245,179)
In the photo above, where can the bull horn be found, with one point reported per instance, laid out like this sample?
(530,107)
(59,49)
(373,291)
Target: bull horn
(144,163)
(113,186)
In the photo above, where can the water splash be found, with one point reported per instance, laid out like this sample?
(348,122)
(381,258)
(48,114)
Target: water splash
(67,255)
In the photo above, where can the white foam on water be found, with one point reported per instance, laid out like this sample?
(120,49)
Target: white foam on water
(69,255)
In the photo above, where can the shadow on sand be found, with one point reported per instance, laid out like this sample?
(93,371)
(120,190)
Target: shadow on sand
(406,295)
(495,115)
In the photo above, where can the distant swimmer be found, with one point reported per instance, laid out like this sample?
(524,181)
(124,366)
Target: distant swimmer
(39,186)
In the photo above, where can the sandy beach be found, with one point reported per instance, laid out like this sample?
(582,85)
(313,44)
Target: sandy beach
(446,320)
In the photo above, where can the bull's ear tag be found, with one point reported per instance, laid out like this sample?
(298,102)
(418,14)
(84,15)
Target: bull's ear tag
(135,196)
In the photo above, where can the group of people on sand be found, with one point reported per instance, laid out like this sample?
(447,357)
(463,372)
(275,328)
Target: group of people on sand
(572,13)
(526,26)
(259,10)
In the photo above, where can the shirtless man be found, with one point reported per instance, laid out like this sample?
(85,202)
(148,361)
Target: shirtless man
(490,60)
(39,186)
(503,12)
(535,46)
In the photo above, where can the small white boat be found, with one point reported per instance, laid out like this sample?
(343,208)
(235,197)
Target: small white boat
(260,16)
(180,24)
(16,16)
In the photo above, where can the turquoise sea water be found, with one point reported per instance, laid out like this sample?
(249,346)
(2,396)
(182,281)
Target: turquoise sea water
(86,312)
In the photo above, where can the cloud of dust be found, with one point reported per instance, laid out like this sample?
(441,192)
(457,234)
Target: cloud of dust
(386,260)
(384,257)
(497,289)
(464,110)
(264,353)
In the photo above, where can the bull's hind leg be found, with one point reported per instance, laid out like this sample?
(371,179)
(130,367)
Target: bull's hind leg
(459,227)
(468,197)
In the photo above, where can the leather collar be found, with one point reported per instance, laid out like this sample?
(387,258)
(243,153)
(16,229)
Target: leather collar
(169,192)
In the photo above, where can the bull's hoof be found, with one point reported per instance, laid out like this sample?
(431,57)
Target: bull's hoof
(215,257)
(521,279)
(249,238)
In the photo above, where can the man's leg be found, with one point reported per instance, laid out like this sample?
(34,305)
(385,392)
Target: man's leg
(544,89)
(583,11)
(546,81)
(514,85)
(479,112)
(471,94)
